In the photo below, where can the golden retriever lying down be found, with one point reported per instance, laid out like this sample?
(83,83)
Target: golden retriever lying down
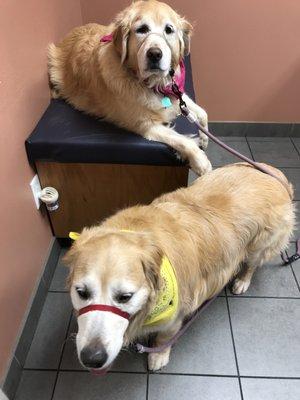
(224,226)
(119,79)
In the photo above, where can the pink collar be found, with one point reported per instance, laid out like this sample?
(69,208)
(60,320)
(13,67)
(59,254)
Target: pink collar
(179,78)
(107,38)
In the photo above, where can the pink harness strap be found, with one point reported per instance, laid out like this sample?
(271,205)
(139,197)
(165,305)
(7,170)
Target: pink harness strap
(179,79)
(107,38)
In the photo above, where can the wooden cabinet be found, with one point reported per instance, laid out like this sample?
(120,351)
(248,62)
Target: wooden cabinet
(88,193)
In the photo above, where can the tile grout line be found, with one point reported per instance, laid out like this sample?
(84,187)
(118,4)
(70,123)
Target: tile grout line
(148,371)
(263,297)
(190,374)
(294,378)
(170,373)
(234,348)
(247,141)
(147,386)
(294,275)
(296,148)
(61,356)
(276,166)
(225,376)
(82,371)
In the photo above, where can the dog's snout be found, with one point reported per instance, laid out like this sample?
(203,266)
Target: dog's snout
(154,54)
(94,356)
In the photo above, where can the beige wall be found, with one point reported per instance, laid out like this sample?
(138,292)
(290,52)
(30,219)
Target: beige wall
(26,27)
(246,55)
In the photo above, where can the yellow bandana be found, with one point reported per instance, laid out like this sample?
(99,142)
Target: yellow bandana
(167,302)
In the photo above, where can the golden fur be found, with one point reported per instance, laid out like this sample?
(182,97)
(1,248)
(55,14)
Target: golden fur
(225,225)
(104,79)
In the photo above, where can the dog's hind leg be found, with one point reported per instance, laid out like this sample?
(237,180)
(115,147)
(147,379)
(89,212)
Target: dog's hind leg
(257,256)
(157,361)
(243,279)
(264,247)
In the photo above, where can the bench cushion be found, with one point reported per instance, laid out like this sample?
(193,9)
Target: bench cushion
(67,135)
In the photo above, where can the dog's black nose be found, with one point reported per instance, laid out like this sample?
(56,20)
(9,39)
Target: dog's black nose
(93,356)
(154,54)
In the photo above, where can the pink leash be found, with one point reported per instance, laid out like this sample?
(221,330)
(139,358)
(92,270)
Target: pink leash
(139,348)
(193,119)
(287,260)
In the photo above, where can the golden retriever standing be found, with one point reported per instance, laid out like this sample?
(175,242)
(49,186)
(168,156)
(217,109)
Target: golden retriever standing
(120,78)
(228,223)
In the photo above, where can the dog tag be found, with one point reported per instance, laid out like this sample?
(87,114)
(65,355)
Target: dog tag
(166,102)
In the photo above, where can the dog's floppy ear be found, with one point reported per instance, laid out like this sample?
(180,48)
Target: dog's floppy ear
(151,263)
(121,36)
(68,261)
(186,34)
(152,274)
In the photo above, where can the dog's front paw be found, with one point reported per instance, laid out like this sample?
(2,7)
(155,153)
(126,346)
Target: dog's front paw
(203,121)
(202,116)
(200,140)
(203,140)
(240,286)
(157,361)
(200,164)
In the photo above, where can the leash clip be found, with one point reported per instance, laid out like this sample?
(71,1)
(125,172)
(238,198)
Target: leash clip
(137,348)
(295,257)
(177,92)
(290,260)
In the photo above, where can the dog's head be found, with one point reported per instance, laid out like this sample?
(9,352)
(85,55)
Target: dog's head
(114,268)
(151,38)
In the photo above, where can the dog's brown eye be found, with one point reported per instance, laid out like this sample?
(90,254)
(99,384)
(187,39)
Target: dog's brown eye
(123,297)
(143,29)
(169,29)
(83,293)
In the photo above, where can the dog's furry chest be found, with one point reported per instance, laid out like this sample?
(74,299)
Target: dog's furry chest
(167,114)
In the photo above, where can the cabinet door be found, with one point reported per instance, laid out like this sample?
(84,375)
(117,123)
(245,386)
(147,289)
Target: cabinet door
(88,193)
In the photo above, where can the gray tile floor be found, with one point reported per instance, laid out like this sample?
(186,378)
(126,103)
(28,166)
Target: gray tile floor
(242,347)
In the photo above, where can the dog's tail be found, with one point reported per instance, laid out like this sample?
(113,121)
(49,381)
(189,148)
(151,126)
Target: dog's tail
(281,177)
(54,70)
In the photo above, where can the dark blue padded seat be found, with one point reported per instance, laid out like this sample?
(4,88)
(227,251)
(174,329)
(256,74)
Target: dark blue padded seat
(66,135)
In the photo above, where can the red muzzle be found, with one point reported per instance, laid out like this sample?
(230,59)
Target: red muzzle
(103,307)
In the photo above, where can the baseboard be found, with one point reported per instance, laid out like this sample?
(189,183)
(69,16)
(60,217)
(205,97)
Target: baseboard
(255,129)
(30,321)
